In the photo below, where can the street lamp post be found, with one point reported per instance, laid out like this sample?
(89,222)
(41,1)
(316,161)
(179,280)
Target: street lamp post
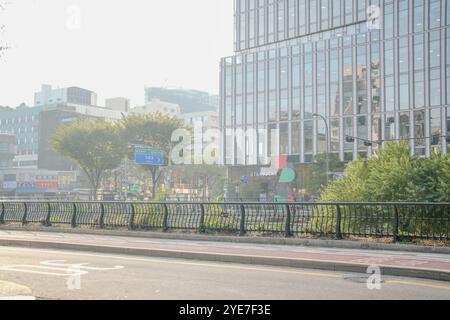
(327,132)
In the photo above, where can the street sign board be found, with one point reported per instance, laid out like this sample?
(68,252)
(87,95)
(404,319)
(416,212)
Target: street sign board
(148,156)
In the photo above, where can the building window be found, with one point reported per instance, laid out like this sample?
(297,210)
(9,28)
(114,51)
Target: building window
(436,128)
(435,14)
(348,81)
(403,17)
(295,138)
(419,133)
(435,87)
(404,126)
(389,127)
(419,13)
(388,20)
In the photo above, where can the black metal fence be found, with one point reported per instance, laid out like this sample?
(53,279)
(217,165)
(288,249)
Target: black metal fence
(338,220)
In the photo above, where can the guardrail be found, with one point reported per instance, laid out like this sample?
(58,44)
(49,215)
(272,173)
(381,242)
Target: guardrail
(338,220)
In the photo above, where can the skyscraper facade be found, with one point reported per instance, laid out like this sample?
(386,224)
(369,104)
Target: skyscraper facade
(348,75)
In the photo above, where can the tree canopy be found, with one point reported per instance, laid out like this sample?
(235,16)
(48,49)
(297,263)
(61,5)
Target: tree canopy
(154,130)
(393,175)
(94,146)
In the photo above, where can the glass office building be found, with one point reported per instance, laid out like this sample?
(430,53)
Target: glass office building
(377,70)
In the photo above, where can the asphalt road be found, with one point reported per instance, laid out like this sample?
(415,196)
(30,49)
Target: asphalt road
(53,274)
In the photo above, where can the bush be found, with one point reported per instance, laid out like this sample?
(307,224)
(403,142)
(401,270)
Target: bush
(393,175)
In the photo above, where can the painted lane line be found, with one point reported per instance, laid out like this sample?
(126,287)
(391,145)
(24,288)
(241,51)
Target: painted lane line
(84,266)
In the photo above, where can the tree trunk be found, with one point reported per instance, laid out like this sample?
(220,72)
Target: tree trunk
(154,182)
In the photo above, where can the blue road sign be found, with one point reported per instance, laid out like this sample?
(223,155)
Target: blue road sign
(246,179)
(148,156)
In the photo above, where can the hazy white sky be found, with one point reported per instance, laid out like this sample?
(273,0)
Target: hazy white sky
(120,46)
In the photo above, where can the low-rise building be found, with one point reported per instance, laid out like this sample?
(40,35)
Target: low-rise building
(75,95)
(36,183)
(157,106)
(118,104)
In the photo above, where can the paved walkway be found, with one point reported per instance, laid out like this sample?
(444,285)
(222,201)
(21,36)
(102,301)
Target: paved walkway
(419,261)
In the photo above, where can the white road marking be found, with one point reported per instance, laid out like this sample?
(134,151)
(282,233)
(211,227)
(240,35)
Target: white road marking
(18,298)
(43,270)
(84,266)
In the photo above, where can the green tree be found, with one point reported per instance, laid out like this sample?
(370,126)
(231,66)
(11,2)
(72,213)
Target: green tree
(312,176)
(95,146)
(393,175)
(213,176)
(154,130)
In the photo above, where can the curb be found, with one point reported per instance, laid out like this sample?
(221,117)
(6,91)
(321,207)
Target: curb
(322,243)
(430,274)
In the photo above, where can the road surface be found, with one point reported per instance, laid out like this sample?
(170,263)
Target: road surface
(57,274)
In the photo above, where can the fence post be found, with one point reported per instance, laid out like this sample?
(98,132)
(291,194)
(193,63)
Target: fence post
(24,218)
(2,214)
(47,218)
(166,218)
(132,225)
(288,221)
(396,224)
(242,224)
(102,216)
(202,218)
(74,215)
(338,223)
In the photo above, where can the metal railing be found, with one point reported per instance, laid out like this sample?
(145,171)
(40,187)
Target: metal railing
(338,220)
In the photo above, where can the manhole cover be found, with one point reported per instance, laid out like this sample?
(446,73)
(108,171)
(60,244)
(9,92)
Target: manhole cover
(357,279)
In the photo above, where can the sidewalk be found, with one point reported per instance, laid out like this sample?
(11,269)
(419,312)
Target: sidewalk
(410,264)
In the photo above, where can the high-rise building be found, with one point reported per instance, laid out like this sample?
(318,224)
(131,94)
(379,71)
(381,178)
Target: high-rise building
(375,70)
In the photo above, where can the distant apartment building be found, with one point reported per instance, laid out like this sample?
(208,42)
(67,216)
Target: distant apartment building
(74,95)
(118,104)
(157,106)
(188,100)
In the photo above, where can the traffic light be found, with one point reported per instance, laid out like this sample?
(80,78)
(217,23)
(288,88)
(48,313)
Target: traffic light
(349,139)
